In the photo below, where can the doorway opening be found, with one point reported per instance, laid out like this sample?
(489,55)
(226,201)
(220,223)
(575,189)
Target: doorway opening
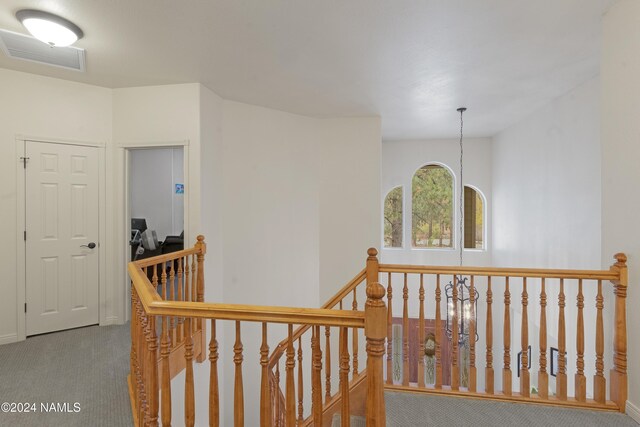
(156,205)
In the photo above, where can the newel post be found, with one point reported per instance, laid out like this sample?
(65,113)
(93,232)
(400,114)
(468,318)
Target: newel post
(373,267)
(200,324)
(375,330)
(202,250)
(618,374)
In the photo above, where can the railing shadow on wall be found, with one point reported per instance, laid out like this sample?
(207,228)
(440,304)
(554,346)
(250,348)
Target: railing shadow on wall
(168,334)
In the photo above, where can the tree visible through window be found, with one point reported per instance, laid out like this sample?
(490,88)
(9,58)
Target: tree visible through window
(393,219)
(473,219)
(432,196)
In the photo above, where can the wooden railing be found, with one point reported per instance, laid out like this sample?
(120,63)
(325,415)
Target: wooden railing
(527,284)
(175,302)
(407,290)
(163,341)
(301,390)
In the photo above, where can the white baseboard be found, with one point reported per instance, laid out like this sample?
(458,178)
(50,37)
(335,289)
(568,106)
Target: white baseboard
(9,338)
(633,411)
(111,320)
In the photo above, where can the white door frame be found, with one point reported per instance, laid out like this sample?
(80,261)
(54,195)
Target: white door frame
(21,246)
(126,250)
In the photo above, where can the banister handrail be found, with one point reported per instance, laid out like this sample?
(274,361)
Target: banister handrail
(155,306)
(332,302)
(503,272)
(146,262)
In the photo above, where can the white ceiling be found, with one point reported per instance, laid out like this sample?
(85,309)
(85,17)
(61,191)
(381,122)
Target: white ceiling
(412,62)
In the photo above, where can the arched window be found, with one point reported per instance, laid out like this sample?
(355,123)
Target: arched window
(432,213)
(473,219)
(393,218)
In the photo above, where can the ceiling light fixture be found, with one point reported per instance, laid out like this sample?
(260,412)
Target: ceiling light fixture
(49,28)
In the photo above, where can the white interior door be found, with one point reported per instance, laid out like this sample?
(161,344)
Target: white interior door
(61,236)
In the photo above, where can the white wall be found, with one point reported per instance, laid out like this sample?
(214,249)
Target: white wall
(50,109)
(348,162)
(154,116)
(400,161)
(211,227)
(546,185)
(153,174)
(620,172)
(298,214)
(546,214)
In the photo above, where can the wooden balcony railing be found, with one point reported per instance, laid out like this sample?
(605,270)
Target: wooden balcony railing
(175,303)
(327,345)
(548,285)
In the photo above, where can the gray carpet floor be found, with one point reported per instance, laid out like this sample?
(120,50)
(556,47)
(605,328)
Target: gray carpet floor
(413,410)
(87,366)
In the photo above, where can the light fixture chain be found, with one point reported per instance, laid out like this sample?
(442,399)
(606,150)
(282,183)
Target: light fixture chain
(461,238)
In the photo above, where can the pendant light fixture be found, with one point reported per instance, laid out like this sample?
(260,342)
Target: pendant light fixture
(461,304)
(49,28)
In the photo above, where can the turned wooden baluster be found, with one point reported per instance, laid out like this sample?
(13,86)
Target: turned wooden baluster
(154,278)
(421,334)
(180,332)
(488,371)
(187,277)
(165,352)
(506,371)
(438,384)
(290,402)
(374,330)
(202,247)
(214,399)
(561,376)
(344,377)
(405,333)
(172,321)
(165,296)
(139,355)
(238,391)
(265,397)
(132,351)
(189,401)
(543,376)
(316,377)
(327,350)
(525,389)
(599,381)
(153,374)
(276,394)
(354,306)
(618,375)
(145,366)
(473,374)
(300,384)
(389,331)
(455,370)
(194,282)
(580,379)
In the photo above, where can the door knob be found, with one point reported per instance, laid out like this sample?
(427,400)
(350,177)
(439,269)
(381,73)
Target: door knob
(91,245)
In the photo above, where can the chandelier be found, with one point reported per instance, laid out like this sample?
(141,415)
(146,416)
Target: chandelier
(459,294)
(459,302)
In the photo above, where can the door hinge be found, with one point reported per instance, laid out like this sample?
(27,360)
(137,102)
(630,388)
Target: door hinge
(25,307)
(24,161)
(25,235)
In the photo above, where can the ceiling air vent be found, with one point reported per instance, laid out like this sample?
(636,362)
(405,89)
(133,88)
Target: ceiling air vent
(19,46)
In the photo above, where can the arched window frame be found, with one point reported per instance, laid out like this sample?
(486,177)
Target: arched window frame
(484,220)
(403,218)
(454,231)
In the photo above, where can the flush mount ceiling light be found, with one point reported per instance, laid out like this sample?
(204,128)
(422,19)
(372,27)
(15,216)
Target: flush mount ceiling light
(49,28)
